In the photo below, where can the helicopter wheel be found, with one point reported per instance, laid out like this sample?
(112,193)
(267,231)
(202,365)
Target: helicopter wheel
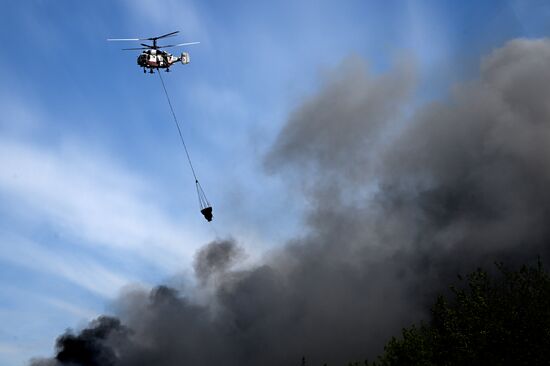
(144,70)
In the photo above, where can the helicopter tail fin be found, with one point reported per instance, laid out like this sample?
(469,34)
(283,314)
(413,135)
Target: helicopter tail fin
(184,58)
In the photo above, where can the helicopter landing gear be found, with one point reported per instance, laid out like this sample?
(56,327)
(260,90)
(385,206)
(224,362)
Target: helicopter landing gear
(144,70)
(151,71)
(167,70)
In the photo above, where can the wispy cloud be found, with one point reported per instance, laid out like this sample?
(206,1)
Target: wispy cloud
(82,272)
(76,310)
(85,196)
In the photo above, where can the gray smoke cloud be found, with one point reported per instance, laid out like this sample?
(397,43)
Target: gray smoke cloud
(400,204)
(216,259)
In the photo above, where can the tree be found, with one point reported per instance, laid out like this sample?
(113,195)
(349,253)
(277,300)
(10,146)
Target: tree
(489,320)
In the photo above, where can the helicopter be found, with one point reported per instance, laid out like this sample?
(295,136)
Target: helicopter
(153,57)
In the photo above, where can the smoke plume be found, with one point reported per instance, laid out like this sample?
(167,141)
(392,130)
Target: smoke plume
(400,203)
(215,259)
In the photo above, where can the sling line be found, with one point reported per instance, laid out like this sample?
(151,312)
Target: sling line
(203,201)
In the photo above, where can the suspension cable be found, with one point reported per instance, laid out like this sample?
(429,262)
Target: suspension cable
(179,129)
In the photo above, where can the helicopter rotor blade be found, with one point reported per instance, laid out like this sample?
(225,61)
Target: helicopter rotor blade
(134,49)
(179,44)
(164,36)
(146,45)
(126,39)
(144,39)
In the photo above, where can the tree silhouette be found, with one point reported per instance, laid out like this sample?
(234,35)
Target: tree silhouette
(489,320)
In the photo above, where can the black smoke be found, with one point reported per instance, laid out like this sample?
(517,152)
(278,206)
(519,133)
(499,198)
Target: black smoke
(399,203)
(93,346)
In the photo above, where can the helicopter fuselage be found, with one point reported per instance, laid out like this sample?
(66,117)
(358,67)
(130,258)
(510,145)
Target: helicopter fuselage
(159,59)
(153,56)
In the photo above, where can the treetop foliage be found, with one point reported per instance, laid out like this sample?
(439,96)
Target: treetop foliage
(487,320)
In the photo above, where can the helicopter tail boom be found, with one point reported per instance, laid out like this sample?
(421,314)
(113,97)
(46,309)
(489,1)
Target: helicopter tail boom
(184,58)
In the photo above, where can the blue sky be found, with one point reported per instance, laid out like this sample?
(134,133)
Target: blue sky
(95,193)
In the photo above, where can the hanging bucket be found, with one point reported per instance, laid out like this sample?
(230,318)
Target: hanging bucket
(207,212)
(206,208)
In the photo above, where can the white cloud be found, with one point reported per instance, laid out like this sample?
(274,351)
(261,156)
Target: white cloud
(82,272)
(85,196)
(67,307)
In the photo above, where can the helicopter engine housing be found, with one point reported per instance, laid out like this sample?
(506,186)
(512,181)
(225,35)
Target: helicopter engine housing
(142,60)
(184,58)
